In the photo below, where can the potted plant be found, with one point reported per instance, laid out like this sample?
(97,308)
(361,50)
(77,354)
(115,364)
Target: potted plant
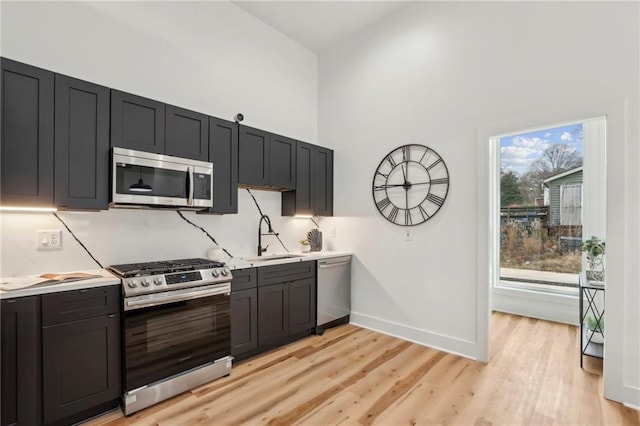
(594,329)
(595,249)
(305,247)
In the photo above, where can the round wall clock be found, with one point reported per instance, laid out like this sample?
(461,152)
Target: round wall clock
(410,185)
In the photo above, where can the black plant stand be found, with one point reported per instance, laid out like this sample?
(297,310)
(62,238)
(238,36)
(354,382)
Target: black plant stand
(588,293)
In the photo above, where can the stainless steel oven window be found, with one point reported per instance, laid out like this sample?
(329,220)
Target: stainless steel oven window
(200,322)
(165,340)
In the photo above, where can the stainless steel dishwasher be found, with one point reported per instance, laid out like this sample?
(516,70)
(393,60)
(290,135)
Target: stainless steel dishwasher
(334,292)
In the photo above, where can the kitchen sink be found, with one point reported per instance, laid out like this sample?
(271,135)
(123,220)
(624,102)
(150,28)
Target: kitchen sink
(273,257)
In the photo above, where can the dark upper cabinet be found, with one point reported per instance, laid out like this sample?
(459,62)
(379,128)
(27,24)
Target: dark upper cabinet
(27,135)
(266,160)
(322,185)
(137,123)
(282,162)
(81,144)
(186,134)
(314,182)
(20,371)
(253,157)
(223,153)
(300,201)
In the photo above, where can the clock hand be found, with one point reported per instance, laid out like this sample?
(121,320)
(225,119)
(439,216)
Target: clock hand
(406,197)
(402,184)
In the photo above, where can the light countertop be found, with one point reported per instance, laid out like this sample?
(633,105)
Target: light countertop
(278,259)
(106,279)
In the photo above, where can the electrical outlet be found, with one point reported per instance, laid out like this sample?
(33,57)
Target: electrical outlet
(332,232)
(49,239)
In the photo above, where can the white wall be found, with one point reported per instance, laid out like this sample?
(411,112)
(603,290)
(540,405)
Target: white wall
(208,56)
(439,74)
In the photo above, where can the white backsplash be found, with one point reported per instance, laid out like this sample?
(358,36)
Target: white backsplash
(128,235)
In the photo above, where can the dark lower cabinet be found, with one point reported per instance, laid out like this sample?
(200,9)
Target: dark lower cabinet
(26,123)
(302,305)
(286,302)
(81,144)
(81,368)
(273,314)
(314,182)
(81,353)
(20,369)
(244,321)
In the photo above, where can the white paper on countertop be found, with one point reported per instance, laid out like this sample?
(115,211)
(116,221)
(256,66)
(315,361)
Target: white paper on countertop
(19,283)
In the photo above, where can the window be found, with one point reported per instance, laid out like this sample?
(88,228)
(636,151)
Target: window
(571,204)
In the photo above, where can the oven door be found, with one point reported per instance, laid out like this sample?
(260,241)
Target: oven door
(167,338)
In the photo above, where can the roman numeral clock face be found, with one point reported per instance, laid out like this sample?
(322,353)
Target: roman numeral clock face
(410,185)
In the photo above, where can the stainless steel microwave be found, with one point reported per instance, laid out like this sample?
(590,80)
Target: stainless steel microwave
(144,179)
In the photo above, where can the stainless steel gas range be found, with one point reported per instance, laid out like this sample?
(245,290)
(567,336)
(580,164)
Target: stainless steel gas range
(177,328)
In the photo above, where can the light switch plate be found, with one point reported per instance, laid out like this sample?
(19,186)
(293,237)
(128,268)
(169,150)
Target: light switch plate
(49,239)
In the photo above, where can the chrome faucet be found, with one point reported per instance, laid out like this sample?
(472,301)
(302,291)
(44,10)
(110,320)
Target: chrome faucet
(265,218)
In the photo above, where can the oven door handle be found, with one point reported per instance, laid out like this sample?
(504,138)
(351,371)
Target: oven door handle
(139,302)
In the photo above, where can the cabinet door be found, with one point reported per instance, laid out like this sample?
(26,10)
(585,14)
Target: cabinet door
(253,157)
(273,314)
(81,144)
(244,279)
(282,162)
(20,397)
(223,153)
(322,181)
(244,321)
(273,274)
(186,134)
(27,135)
(302,305)
(137,122)
(81,368)
(300,200)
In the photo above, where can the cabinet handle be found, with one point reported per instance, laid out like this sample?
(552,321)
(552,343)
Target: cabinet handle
(111,316)
(12,300)
(84,290)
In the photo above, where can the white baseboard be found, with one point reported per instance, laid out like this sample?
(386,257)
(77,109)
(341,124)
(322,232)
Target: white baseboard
(547,306)
(632,397)
(442,342)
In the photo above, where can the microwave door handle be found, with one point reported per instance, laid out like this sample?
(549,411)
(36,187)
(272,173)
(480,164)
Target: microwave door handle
(190,191)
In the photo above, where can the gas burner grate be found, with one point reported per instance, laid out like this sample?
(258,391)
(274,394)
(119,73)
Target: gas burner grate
(163,267)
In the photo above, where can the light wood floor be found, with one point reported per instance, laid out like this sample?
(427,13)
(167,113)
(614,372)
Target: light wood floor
(353,376)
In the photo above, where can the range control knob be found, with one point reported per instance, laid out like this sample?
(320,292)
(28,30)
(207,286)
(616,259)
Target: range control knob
(133,284)
(157,281)
(225,271)
(215,272)
(146,282)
